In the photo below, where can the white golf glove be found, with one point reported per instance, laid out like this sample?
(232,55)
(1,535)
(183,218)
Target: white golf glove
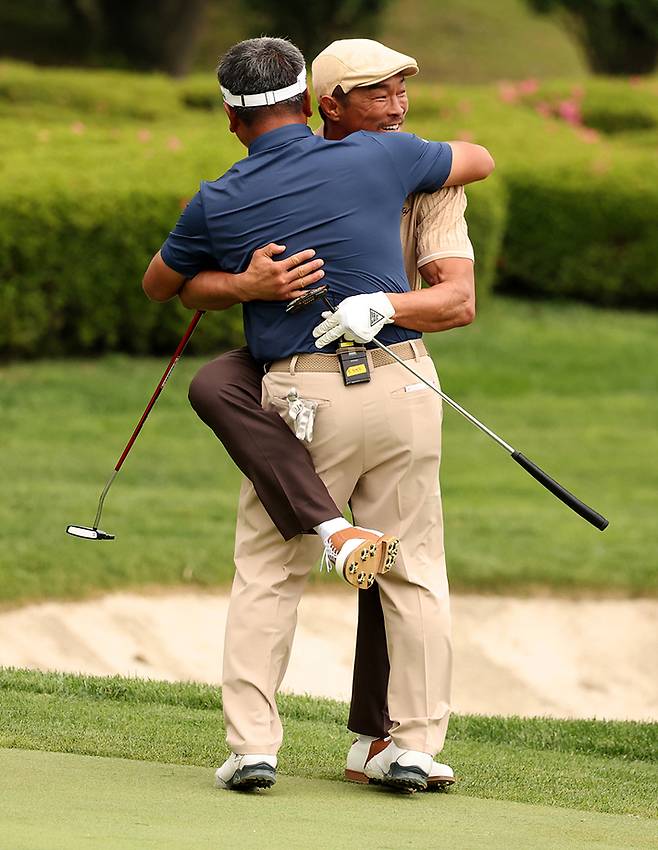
(359,318)
(301,414)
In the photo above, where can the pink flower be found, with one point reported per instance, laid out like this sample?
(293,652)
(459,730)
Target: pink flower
(543,109)
(174,143)
(528,86)
(78,128)
(569,111)
(507,92)
(144,135)
(587,134)
(578,92)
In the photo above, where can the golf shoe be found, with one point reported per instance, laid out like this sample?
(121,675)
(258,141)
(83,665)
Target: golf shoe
(245,772)
(359,554)
(378,760)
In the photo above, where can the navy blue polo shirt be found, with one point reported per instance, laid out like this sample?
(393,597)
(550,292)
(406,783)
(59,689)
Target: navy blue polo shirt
(344,199)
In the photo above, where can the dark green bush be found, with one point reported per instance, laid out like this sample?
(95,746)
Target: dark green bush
(72,267)
(586,235)
(86,200)
(611,106)
(98,93)
(487,217)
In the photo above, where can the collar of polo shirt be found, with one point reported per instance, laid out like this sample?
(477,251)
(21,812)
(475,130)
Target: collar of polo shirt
(268,98)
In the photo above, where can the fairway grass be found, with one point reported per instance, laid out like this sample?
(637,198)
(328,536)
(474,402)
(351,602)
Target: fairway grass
(606,767)
(86,801)
(572,387)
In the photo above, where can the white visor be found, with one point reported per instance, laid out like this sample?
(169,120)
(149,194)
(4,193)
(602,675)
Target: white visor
(268,98)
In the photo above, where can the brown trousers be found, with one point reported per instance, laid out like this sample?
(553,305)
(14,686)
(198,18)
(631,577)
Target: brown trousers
(226,395)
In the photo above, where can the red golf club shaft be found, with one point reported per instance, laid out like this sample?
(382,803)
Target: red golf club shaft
(163,380)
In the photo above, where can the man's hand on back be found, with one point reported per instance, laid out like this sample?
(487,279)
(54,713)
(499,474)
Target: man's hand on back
(264,279)
(267,279)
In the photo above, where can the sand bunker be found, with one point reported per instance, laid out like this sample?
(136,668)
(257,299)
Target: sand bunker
(566,658)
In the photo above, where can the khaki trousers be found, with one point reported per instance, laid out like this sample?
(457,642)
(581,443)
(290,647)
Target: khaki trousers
(377,446)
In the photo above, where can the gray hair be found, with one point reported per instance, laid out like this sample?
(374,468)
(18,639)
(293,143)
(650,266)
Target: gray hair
(258,65)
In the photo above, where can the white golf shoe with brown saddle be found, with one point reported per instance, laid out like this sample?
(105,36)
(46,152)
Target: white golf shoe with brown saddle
(378,760)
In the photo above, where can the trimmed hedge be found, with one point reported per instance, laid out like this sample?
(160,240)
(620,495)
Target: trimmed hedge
(587,235)
(486,216)
(98,93)
(610,105)
(72,268)
(95,167)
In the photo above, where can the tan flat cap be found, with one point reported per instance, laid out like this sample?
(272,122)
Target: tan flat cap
(353,62)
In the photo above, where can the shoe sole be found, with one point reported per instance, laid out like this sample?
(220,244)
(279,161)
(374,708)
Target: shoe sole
(250,777)
(408,780)
(434,783)
(359,569)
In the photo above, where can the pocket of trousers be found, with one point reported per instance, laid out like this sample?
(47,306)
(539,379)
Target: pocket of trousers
(414,389)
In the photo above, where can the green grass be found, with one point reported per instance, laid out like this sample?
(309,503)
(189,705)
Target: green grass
(142,805)
(587,765)
(571,387)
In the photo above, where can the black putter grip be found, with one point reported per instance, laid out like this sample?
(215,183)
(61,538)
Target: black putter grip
(558,490)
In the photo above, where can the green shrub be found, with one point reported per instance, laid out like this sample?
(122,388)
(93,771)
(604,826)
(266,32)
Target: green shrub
(99,93)
(72,268)
(486,216)
(584,234)
(610,105)
(87,196)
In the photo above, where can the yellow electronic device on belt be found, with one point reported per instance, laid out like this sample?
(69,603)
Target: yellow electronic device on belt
(353,363)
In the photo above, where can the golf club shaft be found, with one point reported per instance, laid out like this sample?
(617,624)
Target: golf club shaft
(447,399)
(99,510)
(163,380)
(537,473)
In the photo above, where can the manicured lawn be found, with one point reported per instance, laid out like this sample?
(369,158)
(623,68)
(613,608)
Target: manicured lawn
(572,387)
(137,804)
(606,767)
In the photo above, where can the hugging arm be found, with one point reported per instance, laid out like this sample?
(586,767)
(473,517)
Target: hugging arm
(265,278)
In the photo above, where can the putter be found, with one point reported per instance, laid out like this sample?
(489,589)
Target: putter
(95,533)
(537,473)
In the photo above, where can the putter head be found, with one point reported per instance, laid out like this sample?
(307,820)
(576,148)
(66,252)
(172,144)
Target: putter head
(302,301)
(88,533)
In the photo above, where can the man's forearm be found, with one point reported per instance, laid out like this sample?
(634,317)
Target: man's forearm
(212,290)
(449,302)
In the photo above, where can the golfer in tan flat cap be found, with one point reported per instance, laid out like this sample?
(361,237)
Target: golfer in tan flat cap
(360,86)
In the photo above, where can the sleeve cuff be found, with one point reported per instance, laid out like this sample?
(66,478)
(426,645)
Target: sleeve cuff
(464,254)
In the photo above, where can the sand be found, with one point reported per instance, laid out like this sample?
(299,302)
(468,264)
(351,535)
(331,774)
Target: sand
(540,656)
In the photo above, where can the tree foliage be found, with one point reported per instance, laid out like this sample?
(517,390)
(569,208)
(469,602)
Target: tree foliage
(312,24)
(146,34)
(617,36)
(143,35)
